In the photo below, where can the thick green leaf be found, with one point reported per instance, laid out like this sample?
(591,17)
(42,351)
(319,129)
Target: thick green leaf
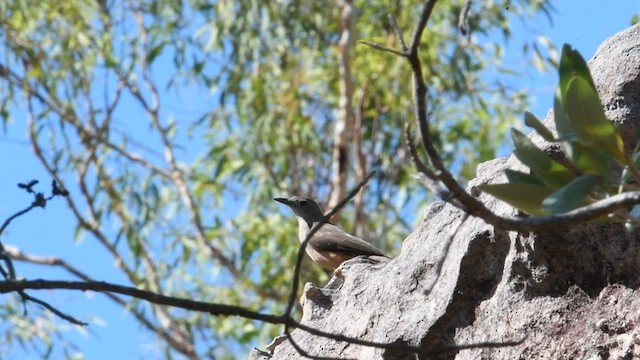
(563,125)
(525,197)
(572,195)
(584,109)
(572,64)
(592,161)
(588,161)
(535,123)
(542,166)
(517,176)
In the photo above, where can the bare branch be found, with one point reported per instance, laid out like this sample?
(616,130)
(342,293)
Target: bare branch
(17,254)
(305,353)
(344,125)
(463,20)
(230,310)
(89,225)
(422,23)
(13,217)
(396,30)
(213,309)
(60,314)
(185,348)
(360,163)
(382,48)
(420,165)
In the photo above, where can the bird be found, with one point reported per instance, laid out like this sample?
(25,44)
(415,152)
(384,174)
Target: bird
(330,246)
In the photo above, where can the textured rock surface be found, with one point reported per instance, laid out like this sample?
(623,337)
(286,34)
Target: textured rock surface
(572,292)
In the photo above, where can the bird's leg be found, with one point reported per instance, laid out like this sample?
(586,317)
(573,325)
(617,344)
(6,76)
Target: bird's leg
(336,280)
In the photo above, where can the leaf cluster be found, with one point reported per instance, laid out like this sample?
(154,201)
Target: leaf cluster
(592,147)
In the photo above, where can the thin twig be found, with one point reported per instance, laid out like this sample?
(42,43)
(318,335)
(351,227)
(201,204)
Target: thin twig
(396,30)
(382,48)
(420,165)
(12,217)
(10,273)
(463,19)
(305,353)
(91,224)
(60,314)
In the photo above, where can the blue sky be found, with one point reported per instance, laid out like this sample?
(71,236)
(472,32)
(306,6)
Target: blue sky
(583,24)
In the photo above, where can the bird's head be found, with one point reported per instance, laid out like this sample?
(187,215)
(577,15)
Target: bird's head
(303,207)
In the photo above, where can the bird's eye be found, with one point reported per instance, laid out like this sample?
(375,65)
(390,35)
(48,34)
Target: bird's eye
(303,202)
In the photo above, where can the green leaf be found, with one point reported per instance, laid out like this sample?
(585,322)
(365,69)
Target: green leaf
(516,176)
(571,65)
(542,166)
(154,52)
(535,123)
(588,120)
(525,197)
(572,195)
(563,125)
(589,161)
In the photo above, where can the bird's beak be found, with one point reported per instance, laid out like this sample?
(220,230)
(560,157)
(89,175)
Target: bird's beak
(283,201)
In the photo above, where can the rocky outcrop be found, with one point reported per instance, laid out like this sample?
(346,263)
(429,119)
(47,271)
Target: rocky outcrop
(573,292)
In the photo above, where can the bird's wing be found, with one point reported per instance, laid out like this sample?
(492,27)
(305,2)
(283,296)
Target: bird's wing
(332,238)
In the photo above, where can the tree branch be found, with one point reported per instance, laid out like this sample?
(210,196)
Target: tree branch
(228,310)
(185,348)
(344,126)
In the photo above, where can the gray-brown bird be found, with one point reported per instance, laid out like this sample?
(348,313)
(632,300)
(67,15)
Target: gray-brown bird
(330,246)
